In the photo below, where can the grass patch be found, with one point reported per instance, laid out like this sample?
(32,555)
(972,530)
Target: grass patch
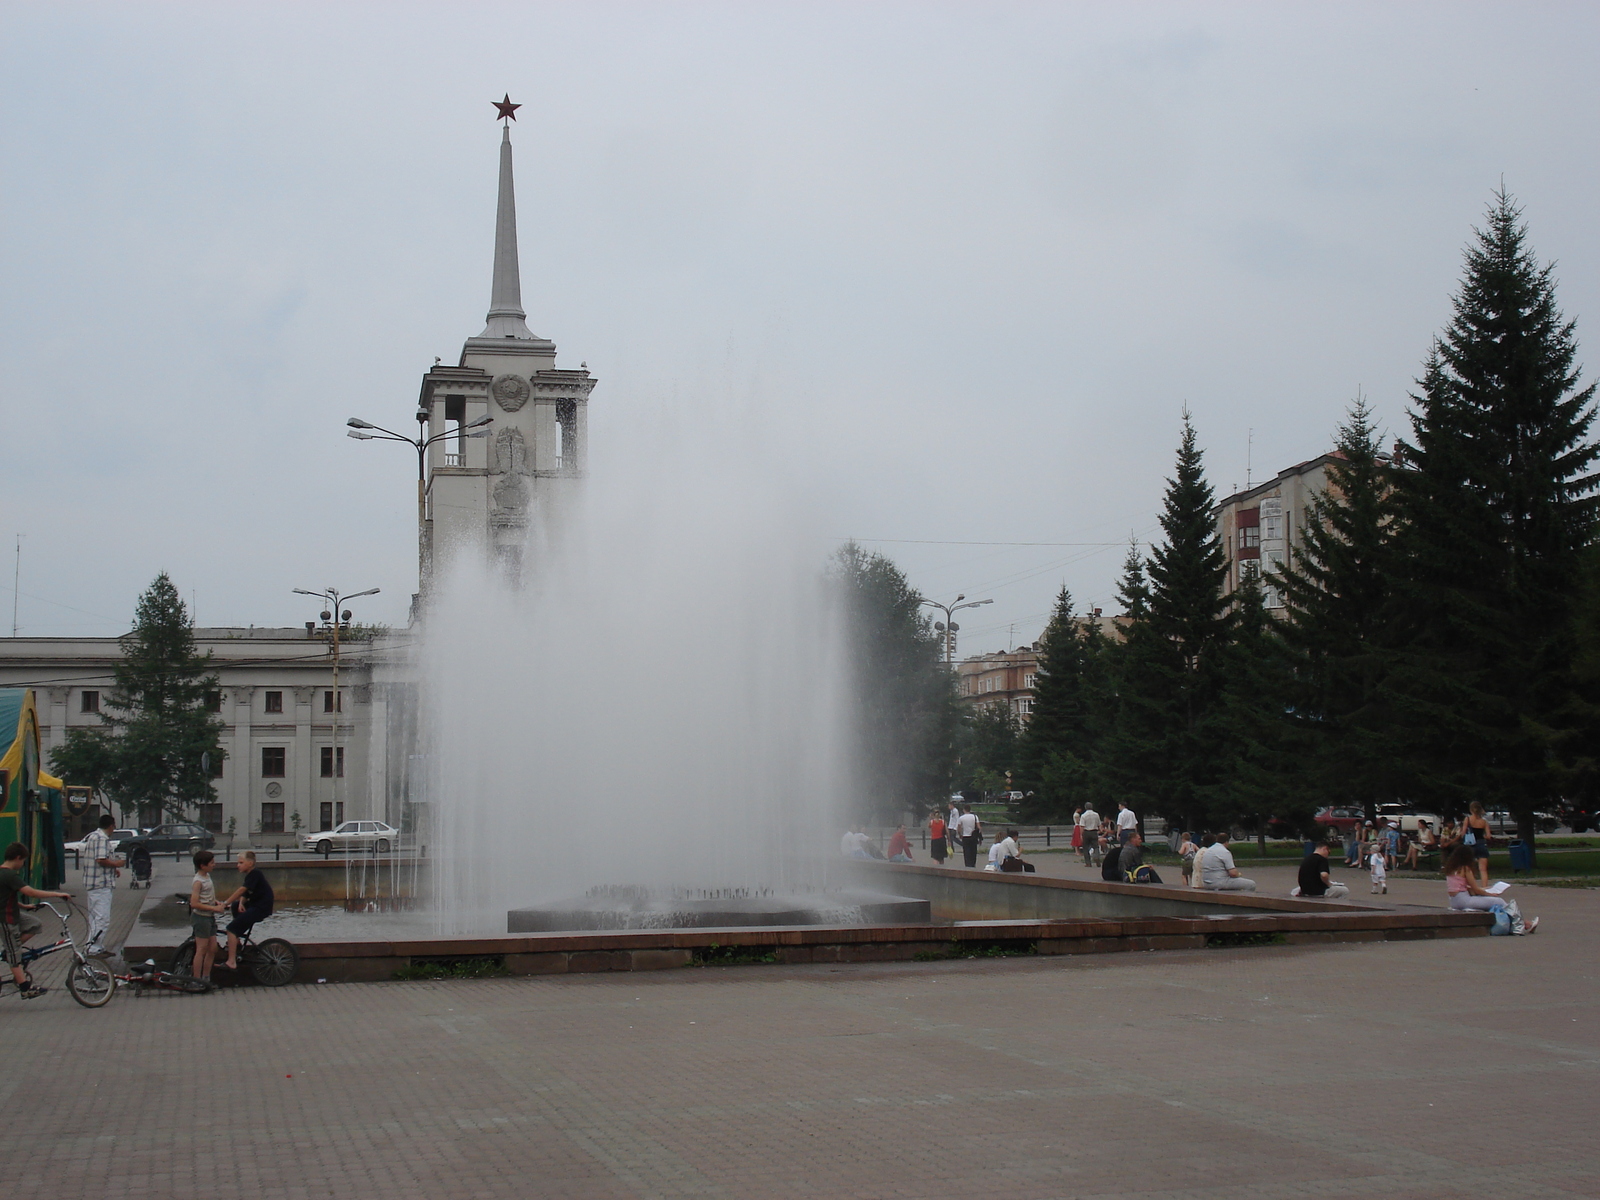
(1001,948)
(732,956)
(487,967)
(1221,941)
(1562,883)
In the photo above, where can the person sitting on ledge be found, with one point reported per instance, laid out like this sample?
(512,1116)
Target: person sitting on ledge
(1009,854)
(1219,874)
(857,844)
(899,846)
(1110,863)
(1315,882)
(1131,861)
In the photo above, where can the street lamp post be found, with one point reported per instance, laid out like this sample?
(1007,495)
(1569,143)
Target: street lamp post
(948,627)
(365,431)
(332,619)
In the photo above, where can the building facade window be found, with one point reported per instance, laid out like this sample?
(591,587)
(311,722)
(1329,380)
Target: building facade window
(329,815)
(211,817)
(274,702)
(273,762)
(329,703)
(272,817)
(213,701)
(1027,680)
(89,702)
(333,762)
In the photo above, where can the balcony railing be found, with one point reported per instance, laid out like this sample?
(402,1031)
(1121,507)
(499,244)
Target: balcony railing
(453,460)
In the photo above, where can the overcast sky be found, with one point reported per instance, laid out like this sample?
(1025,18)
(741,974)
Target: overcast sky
(982,254)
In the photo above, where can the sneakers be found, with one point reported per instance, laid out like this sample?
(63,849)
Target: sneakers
(33,992)
(1533,924)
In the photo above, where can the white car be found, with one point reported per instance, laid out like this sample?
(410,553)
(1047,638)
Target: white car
(1408,817)
(116,836)
(353,835)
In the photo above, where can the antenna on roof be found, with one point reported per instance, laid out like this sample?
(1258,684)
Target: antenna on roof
(1249,446)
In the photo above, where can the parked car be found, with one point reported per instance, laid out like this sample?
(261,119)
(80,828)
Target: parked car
(177,836)
(1502,822)
(1581,816)
(118,836)
(1342,819)
(353,835)
(1408,817)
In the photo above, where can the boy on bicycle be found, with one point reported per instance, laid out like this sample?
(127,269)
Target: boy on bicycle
(251,902)
(16,924)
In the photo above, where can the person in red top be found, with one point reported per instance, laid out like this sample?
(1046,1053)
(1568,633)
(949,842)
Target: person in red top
(899,846)
(936,844)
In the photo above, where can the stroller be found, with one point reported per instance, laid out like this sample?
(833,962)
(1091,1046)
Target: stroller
(139,864)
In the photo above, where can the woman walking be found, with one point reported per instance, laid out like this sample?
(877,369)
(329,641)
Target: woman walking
(936,837)
(1475,836)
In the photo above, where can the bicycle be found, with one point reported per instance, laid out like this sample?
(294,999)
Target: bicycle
(271,963)
(89,982)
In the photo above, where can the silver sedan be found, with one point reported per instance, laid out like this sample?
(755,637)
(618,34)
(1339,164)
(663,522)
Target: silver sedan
(353,835)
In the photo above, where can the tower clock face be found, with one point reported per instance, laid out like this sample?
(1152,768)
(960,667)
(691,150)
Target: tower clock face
(510,392)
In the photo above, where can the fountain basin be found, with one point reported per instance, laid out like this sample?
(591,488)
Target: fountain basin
(623,908)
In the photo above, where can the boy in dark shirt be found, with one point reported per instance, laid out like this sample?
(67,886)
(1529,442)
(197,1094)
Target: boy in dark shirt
(251,902)
(16,924)
(1315,882)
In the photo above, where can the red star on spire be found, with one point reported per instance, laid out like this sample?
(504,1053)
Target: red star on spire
(506,108)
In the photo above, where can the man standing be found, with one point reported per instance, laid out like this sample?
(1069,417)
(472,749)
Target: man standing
(1219,874)
(1090,820)
(1315,881)
(1126,822)
(971,834)
(100,883)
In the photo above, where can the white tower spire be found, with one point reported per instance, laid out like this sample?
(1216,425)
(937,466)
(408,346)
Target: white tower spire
(506,318)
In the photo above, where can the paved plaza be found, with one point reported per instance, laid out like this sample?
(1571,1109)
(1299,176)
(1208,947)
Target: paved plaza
(1393,1070)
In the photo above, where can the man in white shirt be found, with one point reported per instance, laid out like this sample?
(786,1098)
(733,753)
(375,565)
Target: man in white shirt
(1090,820)
(99,883)
(971,833)
(1006,850)
(854,844)
(1217,872)
(1126,823)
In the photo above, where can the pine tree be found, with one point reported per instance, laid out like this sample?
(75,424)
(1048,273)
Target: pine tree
(1163,753)
(905,712)
(1336,598)
(991,739)
(1494,511)
(156,730)
(1058,746)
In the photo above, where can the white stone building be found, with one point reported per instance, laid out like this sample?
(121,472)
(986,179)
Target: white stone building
(292,746)
(284,753)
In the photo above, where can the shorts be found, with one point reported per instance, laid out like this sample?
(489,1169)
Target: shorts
(204,924)
(11,935)
(1480,850)
(241,925)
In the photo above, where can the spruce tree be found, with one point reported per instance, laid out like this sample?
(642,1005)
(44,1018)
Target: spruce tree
(1335,589)
(156,728)
(1495,508)
(1163,753)
(1058,745)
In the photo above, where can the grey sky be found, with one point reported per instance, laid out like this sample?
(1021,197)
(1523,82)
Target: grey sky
(989,251)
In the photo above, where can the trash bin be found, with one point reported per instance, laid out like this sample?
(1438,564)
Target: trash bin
(1521,857)
(1309,845)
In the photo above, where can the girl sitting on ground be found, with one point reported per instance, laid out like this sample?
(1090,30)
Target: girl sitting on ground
(1466,894)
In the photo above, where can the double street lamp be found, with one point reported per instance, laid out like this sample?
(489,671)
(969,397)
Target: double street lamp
(365,431)
(948,627)
(333,619)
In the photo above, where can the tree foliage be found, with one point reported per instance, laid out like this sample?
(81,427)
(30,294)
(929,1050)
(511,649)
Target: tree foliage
(904,716)
(1494,510)
(155,725)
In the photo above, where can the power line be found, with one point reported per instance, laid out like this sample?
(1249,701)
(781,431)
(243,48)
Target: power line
(938,542)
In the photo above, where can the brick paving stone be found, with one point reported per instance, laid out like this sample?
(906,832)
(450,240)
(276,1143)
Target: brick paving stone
(1394,1070)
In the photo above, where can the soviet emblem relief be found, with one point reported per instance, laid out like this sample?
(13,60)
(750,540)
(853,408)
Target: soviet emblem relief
(511,392)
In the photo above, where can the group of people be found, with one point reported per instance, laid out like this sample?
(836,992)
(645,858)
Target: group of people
(1093,837)
(960,827)
(1383,846)
(250,902)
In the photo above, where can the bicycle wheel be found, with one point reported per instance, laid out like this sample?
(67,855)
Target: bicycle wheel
(274,962)
(91,983)
(182,960)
